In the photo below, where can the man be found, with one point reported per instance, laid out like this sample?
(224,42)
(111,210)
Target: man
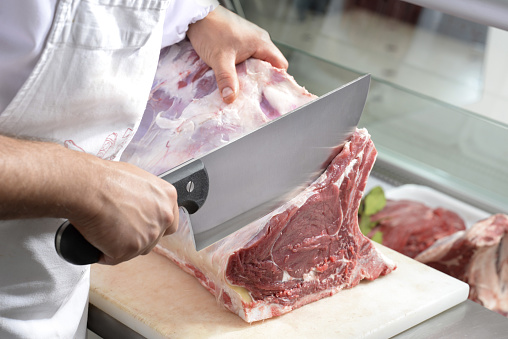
(74,80)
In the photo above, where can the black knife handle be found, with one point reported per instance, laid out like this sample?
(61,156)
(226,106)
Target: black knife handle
(73,247)
(191,183)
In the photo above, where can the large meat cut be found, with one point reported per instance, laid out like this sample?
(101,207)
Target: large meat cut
(410,227)
(307,249)
(479,257)
(185,116)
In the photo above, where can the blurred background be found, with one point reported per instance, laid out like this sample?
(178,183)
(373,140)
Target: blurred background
(437,106)
(447,58)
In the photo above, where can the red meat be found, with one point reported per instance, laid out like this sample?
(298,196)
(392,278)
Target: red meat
(410,227)
(479,257)
(307,249)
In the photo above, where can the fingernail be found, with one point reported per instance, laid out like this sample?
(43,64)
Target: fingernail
(226,92)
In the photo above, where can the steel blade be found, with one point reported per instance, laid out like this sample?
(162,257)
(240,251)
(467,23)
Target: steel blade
(252,176)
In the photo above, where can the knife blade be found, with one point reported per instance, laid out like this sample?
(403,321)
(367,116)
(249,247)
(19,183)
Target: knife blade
(271,165)
(244,180)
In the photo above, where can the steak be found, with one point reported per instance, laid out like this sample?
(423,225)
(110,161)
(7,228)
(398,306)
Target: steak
(307,249)
(479,257)
(410,227)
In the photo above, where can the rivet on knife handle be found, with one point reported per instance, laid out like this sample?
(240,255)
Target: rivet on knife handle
(191,183)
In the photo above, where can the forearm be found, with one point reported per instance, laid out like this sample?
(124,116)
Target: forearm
(119,208)
(40,179)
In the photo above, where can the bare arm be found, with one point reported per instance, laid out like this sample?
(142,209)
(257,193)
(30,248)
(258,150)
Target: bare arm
(120,209)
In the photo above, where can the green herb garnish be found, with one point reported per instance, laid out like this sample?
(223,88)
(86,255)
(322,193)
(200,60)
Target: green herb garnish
(372,203)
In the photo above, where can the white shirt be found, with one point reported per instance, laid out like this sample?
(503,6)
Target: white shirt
(25,24)
(40,296)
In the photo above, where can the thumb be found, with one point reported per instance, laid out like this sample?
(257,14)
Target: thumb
(226,77)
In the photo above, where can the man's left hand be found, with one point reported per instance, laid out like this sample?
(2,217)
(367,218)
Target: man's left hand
(223,39)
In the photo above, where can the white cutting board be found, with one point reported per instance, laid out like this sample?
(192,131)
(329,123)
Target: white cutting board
(155,298)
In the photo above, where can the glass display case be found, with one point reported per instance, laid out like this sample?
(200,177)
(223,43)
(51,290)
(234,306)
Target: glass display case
(430,106)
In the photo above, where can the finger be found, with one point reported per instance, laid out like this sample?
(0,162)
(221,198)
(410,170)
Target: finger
(226,77)
(103,260)
(149,248)
(272,55)
(115,258)
(107,260)
(173,227)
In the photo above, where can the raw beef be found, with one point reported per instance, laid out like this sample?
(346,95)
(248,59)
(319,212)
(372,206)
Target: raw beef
(479,257)
(410,227)
(185,116)
(307,249)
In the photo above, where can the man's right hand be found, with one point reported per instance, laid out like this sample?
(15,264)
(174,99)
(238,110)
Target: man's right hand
(127,210)
(119,208)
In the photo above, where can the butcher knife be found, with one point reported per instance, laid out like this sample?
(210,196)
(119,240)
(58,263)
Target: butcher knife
(244,180)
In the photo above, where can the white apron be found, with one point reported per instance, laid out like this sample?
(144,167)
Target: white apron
(88,92)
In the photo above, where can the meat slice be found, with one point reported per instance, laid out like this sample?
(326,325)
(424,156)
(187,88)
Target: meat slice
(307,249)
(479,257)
(410,227)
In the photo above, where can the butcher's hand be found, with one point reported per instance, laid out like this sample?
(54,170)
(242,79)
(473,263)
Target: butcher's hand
(119,208)
(127,212)
(223,39)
